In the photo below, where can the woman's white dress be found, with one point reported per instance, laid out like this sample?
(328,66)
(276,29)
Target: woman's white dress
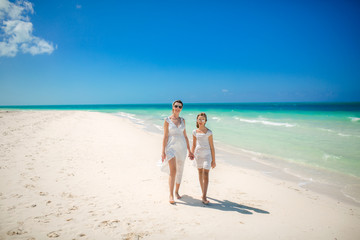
(175,147)
(202,151)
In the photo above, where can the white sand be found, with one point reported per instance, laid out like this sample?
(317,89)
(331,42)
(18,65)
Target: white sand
(86,175)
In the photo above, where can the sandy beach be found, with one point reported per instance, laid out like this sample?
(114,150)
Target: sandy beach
(90,175)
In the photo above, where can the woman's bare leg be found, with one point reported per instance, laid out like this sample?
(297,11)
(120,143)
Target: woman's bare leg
(177,195)
(172,166)
(179,172)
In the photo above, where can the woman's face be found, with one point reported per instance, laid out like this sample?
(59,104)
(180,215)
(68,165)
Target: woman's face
(201,120)
(177,107)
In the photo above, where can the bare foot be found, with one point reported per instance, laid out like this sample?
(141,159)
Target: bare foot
(171,200)
(205,201)
(177,195)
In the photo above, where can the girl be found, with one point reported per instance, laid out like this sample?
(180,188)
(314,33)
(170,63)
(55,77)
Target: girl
(204,152)
(175,144)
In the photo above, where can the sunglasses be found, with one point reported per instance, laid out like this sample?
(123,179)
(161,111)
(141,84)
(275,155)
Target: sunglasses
(178,106)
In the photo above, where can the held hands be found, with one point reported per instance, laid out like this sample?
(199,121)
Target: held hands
(163,156)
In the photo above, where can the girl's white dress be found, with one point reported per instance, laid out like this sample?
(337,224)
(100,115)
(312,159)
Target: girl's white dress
(175,147)
(202,151)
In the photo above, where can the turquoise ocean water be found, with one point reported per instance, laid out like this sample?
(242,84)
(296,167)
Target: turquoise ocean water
(323,136)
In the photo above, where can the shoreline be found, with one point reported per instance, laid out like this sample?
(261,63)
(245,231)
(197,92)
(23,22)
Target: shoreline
(347,189)
(331,184)
(306,177)
(91,175)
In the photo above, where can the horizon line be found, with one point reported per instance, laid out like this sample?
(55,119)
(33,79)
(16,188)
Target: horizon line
(109,104)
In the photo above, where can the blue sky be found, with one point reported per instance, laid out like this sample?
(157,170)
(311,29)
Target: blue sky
(113,52)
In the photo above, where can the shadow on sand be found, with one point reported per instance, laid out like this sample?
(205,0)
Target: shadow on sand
(224,205)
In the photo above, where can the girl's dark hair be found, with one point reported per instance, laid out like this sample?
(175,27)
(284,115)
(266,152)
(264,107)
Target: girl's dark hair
(203,115)
(177,101)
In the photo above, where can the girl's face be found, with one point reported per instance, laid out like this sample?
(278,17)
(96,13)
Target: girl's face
(201,120)
(177,107)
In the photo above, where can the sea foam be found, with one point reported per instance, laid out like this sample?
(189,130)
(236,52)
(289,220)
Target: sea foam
(131,117)
(265,122)
(327,157)
(354,119)
(217,119)
(159,127)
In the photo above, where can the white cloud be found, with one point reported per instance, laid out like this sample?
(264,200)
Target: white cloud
(225,90)
(78,6)
(16,30)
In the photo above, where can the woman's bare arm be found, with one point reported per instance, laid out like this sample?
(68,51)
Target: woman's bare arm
(191,155)
(165,140)
(194,144)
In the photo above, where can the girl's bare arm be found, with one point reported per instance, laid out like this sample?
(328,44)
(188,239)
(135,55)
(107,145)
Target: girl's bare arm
(212,148)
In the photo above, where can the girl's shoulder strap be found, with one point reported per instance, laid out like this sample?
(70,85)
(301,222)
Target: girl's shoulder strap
(194,132)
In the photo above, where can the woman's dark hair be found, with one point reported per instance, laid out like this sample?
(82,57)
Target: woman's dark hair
(202,115)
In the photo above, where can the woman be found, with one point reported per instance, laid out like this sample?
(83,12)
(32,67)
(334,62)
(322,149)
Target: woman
(175,143)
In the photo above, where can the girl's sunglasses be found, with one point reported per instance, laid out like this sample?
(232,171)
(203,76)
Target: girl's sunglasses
(178,106)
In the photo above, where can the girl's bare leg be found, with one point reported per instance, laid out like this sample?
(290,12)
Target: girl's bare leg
(172,166)
(201,179)
(205,185)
